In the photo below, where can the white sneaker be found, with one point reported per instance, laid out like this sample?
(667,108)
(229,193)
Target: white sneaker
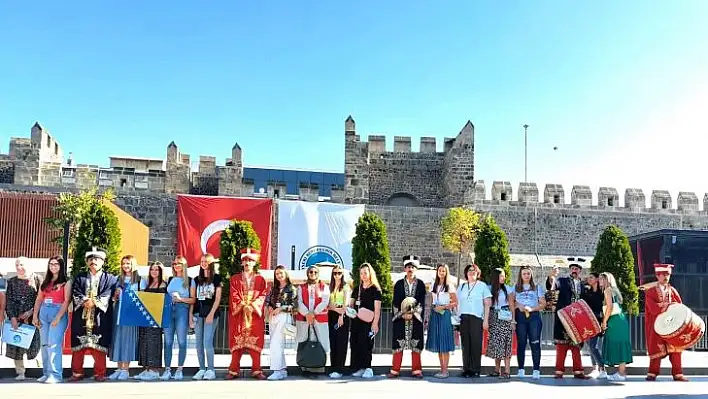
(123,376)
(151,375)
(141,375)
(368,373)
(358,373)
(334,375)
(276,376)
(20,377)
(210,375)
(536,374)
(178,375)
(616,377)
(602,375)
(521,373)
(42,378)
(52,380)
(114,375)
(166,375)
(199,375)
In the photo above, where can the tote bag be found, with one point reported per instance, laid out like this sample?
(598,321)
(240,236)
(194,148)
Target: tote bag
(311,354)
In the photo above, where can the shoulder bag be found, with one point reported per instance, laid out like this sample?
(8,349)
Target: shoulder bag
(311,354)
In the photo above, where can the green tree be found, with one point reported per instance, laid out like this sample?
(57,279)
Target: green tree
(614,255)
(239,235)
(458,230)
(491,249)
(370,245)
(71,208)
(98,228)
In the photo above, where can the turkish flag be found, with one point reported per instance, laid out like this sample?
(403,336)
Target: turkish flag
(201,219)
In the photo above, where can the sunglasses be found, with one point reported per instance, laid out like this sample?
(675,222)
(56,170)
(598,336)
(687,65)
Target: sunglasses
(337,273)
(312,272)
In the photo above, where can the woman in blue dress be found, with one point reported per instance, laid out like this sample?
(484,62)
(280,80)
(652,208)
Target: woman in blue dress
(124,347)
(441,338)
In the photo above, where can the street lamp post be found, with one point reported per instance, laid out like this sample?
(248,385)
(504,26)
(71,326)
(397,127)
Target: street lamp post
(526,150)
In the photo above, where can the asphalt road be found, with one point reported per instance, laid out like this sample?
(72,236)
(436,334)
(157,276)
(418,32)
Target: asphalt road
(377,388)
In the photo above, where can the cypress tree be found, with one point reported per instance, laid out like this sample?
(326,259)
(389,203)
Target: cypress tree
(370,244)
(614,255)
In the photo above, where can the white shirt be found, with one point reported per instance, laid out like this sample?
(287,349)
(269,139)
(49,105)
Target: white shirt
(470,298)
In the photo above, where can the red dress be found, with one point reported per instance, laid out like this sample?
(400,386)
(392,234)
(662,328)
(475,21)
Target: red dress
(656,302)
(247,327)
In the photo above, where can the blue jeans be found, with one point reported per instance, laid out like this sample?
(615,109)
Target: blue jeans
(205,340)
(594,344)
(179,325)
(52,340)
(528,330)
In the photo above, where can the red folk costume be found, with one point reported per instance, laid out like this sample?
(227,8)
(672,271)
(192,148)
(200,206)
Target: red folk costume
(656,300)
(246,317)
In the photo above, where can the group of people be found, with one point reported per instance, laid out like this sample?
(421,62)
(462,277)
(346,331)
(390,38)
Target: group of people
(339,317)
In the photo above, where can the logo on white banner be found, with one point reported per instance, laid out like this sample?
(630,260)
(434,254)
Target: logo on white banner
(319,254)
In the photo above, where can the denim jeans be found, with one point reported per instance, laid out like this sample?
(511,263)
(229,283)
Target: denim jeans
(205,341)
(594,345)
(179,325)
(528,329)
(52,340)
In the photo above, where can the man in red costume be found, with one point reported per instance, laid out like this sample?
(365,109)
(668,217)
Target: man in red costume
(657,298)
(246,315)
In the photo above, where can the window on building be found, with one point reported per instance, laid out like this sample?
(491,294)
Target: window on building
(610,201)
(664,204)
(123,182)
(556,198)
(503,196)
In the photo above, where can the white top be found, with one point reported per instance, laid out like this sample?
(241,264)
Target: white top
(471,298)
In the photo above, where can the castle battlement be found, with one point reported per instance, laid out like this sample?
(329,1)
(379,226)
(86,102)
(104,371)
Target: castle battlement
(582,197)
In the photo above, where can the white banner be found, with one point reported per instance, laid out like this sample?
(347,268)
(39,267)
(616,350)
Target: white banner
(317,232)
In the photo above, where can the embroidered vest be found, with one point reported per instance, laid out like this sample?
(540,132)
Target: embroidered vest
(305,295)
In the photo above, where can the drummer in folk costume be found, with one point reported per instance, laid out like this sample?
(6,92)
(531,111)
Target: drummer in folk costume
(408,311)
(246,315)
(569,288)
(92,319)
(657,299)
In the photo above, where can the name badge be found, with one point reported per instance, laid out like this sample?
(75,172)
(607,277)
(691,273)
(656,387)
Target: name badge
(277,305)
(358,303)
(48,301)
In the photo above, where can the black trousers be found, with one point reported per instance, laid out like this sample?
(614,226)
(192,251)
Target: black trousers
(361,345)
(338,341)
(471,337)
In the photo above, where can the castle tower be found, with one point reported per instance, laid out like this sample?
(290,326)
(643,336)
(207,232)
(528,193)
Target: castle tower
(231,175)
(458,168)
(356,165)
(177,171)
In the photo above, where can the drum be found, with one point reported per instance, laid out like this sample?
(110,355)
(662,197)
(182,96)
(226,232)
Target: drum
(579,321)
(679,326)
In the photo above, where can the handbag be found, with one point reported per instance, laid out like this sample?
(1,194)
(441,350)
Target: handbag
(504,313)
(289,331)
(364,314)
(311,354)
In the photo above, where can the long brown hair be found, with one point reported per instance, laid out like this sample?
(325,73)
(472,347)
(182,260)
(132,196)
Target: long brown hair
(520,282)
(445,284)
(333,282)
(275,288)
(160,279)
(49,276)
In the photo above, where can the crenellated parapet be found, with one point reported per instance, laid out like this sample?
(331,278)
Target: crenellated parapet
(528,192)
(581,195)
(608,197)
(501,191)
(661,199)
(687,201)
(554,194)
(634,199)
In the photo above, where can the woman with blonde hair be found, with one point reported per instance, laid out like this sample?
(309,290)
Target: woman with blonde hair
(440,331)
(366,301)
(179,287)
(616,345)
(124,346)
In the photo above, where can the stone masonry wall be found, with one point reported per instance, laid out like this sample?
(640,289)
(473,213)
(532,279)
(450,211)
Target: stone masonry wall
(412,173)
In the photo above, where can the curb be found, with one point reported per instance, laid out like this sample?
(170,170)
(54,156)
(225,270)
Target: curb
(32,373)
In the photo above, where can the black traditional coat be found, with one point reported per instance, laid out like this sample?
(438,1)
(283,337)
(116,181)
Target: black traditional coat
(408,334)
(99,336)
(567,294)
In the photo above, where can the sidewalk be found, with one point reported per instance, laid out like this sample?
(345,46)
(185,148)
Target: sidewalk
(694,363)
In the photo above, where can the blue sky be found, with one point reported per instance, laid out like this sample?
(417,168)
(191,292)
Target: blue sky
(603,81)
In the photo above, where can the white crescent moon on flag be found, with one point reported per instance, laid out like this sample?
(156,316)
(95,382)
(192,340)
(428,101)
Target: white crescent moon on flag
(213,228)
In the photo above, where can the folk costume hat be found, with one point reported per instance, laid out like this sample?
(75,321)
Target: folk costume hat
(576,262)
(663,268)
(250,253)
(411,260)
(96,252)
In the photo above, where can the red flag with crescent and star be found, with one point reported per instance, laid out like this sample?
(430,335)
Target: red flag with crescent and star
(201,219)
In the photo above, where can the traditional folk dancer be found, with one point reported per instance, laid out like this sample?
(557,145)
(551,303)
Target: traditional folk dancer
(570,289)
(247,317)
(657,298)
(408,318)
(92,320)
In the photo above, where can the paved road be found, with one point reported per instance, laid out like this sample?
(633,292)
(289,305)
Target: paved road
(378,388)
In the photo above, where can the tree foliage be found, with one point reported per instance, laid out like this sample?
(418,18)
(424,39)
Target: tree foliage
(458,230)
(614,255)
(98,228)
(239,235)
(370,244)
(72,208)
(492,249)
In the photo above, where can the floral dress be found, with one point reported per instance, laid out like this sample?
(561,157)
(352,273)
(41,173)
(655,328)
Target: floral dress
(21,294)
